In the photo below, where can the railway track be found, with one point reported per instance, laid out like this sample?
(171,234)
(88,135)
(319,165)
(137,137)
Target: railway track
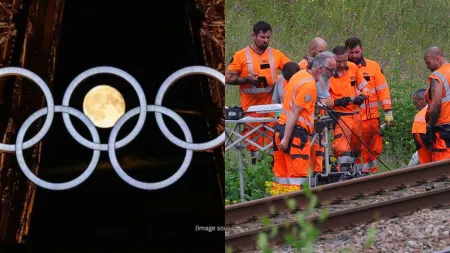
(400,179)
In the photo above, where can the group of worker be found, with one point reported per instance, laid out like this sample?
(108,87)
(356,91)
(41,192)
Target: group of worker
(350,88)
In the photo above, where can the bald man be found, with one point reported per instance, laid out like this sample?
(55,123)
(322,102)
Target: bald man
(316,46)
(438,99)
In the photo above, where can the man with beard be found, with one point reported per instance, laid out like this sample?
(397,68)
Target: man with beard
(316,46)
(348,90)
(438,99)
(296,122)
(379,93)
(254,69)
(419,128)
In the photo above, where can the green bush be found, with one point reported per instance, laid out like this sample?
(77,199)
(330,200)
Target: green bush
(255,178)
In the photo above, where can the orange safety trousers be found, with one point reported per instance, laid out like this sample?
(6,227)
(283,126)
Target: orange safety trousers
(441,145)
(317,152)
(345,136)
(262,139)
(422,150)
(294,161)
(372,138)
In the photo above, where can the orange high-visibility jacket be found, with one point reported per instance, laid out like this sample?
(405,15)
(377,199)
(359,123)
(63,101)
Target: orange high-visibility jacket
(302,91)
(350,84)
(443,76)
(420,125)
(248,62)
(378,89)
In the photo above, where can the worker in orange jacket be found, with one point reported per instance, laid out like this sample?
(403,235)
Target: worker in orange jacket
(296,122)
(289,69)
(438,99)
(254,69)
(348,90)
(378,93)
(316,46)
(419,127)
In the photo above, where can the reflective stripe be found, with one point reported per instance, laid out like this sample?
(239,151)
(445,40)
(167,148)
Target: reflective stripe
(381,87)
(249,60)
(371,104)
(447,88)
(297,180)
(386,102)
(346,159)
(253,89)
(281,180)
(372,91)
(362,84)
(419,118)
(272,65)
(257,90)
(280,88)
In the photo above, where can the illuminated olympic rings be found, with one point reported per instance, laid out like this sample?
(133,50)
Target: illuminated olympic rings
(112,144)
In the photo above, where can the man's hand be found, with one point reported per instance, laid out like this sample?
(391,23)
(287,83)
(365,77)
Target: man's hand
(284,144)
(389,119)
(342,101)
(359,99)
(253,80)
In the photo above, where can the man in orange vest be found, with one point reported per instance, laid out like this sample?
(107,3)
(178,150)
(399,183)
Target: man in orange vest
(296,122)
(378,93)
(316,46)
(348,90)
(438,99)
(289,70)
(419,127)
(254,69)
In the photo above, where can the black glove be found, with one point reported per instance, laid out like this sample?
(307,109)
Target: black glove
(342,101)
(359,99)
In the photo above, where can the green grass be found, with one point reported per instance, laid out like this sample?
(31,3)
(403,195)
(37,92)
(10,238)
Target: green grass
(393,33)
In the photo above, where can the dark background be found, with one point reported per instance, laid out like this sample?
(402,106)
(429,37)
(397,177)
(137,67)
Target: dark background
(149,43)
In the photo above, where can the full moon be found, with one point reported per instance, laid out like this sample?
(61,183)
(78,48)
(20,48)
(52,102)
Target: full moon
(104,105)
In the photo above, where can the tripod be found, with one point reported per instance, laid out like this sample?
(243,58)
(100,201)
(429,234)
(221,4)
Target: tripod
(327,177)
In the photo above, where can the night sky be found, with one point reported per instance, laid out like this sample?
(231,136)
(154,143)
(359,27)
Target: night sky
(104,209)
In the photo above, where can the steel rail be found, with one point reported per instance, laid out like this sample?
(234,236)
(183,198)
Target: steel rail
(346,218)
(326,194)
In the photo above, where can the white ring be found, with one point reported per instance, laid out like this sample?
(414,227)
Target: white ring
(113,71)
(30,175)
(139,184)
(159,97)
(50,104)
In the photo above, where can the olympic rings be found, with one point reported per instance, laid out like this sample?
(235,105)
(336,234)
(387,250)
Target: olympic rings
(112,145)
